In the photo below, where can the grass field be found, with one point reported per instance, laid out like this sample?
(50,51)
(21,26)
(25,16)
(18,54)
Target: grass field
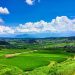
(30,61)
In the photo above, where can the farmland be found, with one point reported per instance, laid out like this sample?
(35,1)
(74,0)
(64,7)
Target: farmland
(37,57)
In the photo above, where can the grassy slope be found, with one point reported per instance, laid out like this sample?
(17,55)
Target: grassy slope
(64,68)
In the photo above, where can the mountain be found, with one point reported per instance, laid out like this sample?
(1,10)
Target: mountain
(39,35)
(45,35)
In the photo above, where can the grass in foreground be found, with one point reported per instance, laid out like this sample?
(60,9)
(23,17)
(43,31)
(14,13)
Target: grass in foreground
(64,68)
(10,70)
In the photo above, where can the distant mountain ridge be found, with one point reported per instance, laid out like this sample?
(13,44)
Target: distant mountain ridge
(45,35)
(39,35)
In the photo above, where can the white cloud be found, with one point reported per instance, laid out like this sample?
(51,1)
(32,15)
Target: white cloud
(6,30)
(37,27)
(4,10)
(30,2)
(58,25)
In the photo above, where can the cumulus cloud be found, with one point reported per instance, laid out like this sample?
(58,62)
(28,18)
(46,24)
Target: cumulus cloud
(6,30)
(37,27)
(58,25)
(4,10)
(30,2)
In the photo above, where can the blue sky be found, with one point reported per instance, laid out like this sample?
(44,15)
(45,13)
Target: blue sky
(20,12)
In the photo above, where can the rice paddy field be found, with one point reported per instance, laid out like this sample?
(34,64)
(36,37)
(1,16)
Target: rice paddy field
(29,60)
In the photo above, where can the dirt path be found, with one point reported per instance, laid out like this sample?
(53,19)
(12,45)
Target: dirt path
(16,54)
